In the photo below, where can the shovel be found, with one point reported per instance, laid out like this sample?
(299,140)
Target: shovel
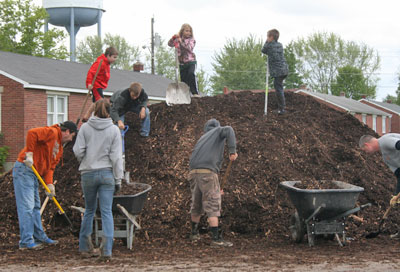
(54,200)
(178,92)
(375,234)
(126,174)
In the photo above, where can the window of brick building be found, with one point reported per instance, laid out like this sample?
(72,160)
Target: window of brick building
(374,122)
(383,124)
(57,109)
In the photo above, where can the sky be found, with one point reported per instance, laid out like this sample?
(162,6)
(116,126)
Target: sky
(374,23)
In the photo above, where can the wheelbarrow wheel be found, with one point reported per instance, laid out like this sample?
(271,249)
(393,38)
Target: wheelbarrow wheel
(297,228)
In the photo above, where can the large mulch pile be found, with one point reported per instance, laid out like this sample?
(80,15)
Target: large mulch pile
(310,142)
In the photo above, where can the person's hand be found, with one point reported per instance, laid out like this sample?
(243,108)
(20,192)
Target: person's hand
(28,159)
(121,124)
(222,192)
(142,113)
(117,186)
(233,157)
(52,189)
(90,87)
(394,200)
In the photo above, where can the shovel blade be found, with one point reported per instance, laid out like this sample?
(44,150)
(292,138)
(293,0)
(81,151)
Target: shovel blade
(178,93)
(372,235)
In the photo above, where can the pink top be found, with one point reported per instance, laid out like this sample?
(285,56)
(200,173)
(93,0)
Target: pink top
(185,50)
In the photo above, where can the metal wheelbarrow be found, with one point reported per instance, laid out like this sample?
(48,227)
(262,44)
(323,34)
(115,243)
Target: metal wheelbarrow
(321,211)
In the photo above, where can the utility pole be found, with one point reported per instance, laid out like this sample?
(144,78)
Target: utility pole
(152,45)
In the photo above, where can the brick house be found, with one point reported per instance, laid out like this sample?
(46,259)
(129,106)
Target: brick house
(37,92)
(376,119)
(390,108)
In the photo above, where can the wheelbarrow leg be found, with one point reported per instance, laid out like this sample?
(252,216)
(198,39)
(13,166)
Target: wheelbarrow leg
(310,235)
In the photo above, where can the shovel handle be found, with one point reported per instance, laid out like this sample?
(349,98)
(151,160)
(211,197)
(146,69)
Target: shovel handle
(225,178)
(47,189)
(46,201)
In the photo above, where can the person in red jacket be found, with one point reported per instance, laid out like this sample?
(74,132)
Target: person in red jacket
(44,148)
(103,76)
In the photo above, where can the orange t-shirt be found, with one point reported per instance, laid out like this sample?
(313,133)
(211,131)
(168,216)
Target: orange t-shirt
(45,143)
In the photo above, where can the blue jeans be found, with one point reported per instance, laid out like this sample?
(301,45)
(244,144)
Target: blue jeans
(26,188)
(97,183)
(144,123)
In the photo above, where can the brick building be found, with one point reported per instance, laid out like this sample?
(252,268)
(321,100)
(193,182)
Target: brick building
(390,108)
(37,92)
(376,119)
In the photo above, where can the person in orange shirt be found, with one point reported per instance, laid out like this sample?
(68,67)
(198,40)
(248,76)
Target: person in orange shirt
(43,150)
(101,81)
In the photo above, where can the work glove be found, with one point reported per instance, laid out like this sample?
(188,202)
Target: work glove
(117,186)
(52,189)
(394,200)
(28,159)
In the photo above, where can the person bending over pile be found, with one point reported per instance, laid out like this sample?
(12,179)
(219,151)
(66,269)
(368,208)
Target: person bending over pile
(205,164)
(133,99)
(389,146)
(43,150)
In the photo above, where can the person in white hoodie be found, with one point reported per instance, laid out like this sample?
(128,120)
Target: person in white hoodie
(98,148)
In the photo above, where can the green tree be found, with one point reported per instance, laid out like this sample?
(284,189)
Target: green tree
(164,61)
(293,80)
(21,32)
(352,82)
(239,65)
(91,47)
(203,82)
(390,98)
(322,54)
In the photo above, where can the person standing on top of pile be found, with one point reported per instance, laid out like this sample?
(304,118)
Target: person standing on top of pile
(133,99)
(187,59)
(205,164)
(278,67)
(389,146)
(98,148)
(43,150)
(101,82)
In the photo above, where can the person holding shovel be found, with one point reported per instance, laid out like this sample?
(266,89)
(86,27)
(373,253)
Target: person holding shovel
(205,164)
(185,43)
(98,148)
(389,146)
(102,77)
(43,150)
(133,99)
(277,65)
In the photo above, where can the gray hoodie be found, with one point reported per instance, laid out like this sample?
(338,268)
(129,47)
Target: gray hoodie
(99,146)
(391,156)
(208,152)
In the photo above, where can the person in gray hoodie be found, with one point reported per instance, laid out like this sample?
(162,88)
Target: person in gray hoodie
(98,148)
(278,67)
(205,164)
(389,146)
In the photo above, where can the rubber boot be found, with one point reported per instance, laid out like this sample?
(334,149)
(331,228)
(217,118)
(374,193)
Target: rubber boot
(195,235)
(217,240)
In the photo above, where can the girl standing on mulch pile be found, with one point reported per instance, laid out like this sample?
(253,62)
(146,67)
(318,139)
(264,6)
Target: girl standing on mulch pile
(185,42)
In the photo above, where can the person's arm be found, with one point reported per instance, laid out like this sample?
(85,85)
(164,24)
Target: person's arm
(228,133)
(172,40)
(143,99)
(90,74)
(266,48)
(116,155)
(80,144)
(188,44)
(116,106)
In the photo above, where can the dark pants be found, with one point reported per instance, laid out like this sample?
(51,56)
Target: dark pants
(398,185)
(188,76)
(97,94)
(278,85)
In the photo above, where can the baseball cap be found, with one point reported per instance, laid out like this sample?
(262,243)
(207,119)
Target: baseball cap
(71,126)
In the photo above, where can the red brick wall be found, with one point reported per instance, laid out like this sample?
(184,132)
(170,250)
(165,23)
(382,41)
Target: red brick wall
(12,116)
(395,120)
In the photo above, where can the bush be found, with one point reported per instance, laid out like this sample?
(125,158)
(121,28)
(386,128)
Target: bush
(3,156)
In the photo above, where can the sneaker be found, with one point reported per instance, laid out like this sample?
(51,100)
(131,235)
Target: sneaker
(49,241)
(32,246)
(281,112)
(221,243)
(196,95)
(104,259)
(194,237)
(395,236)
(95,252)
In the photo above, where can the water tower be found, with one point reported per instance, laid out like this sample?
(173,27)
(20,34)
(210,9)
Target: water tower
(74,14)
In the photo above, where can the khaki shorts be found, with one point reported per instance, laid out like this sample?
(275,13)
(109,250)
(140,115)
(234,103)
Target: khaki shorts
(206,194)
